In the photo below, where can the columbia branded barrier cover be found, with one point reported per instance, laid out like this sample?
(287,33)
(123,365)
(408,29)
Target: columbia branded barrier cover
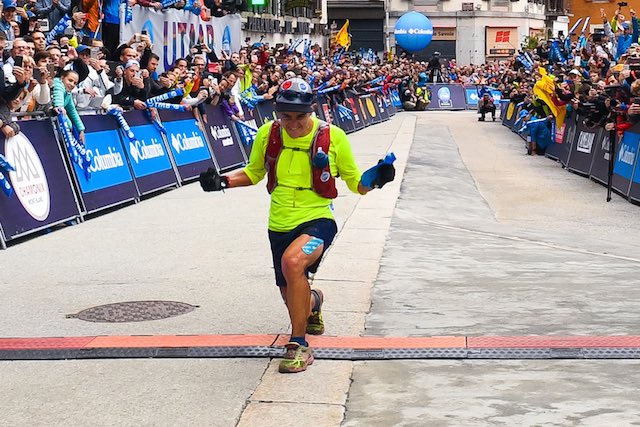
(42,189)
(634,189)
(245,130)
(224,143)
(187,143)
(625,161)
(471,96)
(111,182)
(148,154)
(447,97)
(124,166)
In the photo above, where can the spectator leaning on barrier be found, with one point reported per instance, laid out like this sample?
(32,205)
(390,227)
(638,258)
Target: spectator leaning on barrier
(301,156)
(63,104)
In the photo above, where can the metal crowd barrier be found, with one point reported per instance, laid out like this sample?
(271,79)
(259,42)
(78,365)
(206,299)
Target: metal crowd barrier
(51,188)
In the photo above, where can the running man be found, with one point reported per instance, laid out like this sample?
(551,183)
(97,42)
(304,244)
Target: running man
(301,156)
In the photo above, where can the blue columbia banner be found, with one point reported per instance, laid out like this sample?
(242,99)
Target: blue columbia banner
(626,155)
(625,160)
(108,162)
(472,96)
(111,181)
(187,143)
(148,154)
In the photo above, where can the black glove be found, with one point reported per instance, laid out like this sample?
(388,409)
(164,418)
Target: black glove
(386,173)
(212,181)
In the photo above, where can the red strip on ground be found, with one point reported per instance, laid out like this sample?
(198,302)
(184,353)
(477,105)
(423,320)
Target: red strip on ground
(53,343)
(357,343)
(554,342)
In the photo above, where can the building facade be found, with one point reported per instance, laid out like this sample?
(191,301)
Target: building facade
(584,9)
(282,21)
(475,31)
(366,22)
(472,31)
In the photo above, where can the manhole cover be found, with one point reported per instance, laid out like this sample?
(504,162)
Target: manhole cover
(133,311)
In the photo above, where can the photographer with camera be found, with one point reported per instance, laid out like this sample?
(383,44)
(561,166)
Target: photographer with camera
(133,93)
(36,96)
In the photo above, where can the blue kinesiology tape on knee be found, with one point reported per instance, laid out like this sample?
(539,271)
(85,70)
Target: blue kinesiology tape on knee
(312,245)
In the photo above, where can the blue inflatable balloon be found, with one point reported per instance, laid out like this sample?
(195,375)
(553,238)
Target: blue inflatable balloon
(413,31)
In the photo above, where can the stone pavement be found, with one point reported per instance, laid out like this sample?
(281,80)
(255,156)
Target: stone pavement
(482,241)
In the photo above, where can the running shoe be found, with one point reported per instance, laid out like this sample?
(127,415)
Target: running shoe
(315,323)
(296,358)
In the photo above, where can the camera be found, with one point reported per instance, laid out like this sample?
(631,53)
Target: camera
(597,35)
(595,111)
(622,4)
(633,63)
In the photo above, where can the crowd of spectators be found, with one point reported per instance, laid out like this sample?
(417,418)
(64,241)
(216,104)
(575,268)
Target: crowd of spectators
(596,75)
(75,71)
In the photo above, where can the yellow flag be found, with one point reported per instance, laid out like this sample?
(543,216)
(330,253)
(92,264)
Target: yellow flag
(545,90)
(343,38)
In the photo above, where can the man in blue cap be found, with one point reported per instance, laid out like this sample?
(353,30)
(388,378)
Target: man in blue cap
(8,15)
(301,157)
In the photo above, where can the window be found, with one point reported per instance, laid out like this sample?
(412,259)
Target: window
(502,36)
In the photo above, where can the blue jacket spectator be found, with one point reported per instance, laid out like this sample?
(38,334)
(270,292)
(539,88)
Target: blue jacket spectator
(53,10)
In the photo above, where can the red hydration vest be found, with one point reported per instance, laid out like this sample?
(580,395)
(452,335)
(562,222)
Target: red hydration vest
(323,182)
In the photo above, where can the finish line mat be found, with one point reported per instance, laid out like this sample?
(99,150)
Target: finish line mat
(324,347)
